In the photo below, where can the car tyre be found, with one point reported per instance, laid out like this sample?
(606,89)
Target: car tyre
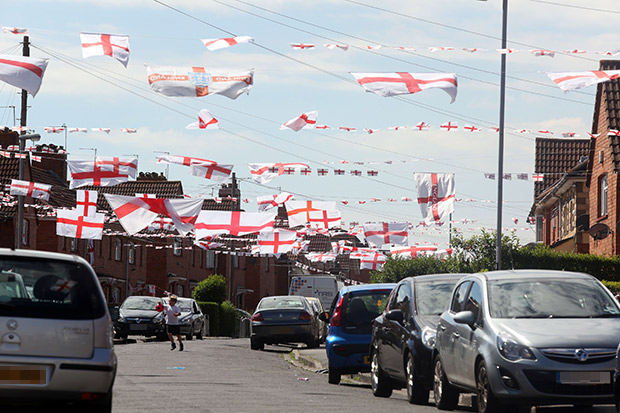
(333,375)
(446,395)
(380,383)
(200,334)
(416,394)
(486,400)
(256,344)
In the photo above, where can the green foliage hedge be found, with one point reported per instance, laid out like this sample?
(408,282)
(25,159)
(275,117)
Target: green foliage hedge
(222,318)
(213,310)
(211,289)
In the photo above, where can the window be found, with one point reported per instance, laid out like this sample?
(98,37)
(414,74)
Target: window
(403,298)
(118,245)
(602,196)
(25,232)
(177,247)
(116,295)
(74,244)
(131,255)
(539,228)
(267,263)
(235,260)
(458,300)
(179,290)
(474,301)
(210,259)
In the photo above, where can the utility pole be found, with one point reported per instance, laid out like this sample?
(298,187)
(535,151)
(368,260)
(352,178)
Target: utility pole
(23,122)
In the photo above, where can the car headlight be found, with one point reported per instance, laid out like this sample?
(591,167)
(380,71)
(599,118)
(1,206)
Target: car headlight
(186,320)
(428,337)
(158,318)
(511,349)
(121,318)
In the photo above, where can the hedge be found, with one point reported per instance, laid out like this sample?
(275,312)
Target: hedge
(213,311)
(222,318)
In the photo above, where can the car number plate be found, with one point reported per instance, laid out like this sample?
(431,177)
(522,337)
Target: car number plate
(22,375)
(583,377)
(139,327)
(366,359)
(284,330)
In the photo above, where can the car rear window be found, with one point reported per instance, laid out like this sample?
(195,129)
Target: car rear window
(361,307)
(269,303)
(51,289)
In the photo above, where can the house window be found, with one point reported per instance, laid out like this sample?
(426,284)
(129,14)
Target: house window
(539,228)
(74,244)
(116,295)
(131,255)
(267,263)
(210,259)
(177,246)
(602,196)
(179,290)
(25,232)
(235,261)
(118,245)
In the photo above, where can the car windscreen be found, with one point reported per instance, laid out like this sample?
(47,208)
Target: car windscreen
(269,303)
(47,288)
(139,302)
(184,305)
(433,297)
(550,298)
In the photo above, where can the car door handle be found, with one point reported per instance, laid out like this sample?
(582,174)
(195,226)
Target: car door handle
(442,327)
(456,336)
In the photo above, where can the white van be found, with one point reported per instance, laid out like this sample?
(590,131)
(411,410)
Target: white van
(323,287)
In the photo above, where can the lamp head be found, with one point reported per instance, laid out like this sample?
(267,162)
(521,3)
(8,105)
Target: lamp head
(35,137)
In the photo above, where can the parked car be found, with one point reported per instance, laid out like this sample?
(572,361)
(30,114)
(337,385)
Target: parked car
(283,319)
(403,337)
(319,313)
(526,337)
(138,316)
(56,341)
(192,322)
(114,314)
(349,332)
(617,380)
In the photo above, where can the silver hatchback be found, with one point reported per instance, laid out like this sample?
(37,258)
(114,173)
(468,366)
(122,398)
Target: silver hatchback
(527,337)
(55,331)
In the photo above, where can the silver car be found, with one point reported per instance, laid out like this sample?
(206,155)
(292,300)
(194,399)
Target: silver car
(527,337)
(55,331)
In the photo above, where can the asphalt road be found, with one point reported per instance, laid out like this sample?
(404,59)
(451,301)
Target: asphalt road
(224,375)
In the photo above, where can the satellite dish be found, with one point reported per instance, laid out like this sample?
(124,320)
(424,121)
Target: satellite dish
(599,231)
(583,222)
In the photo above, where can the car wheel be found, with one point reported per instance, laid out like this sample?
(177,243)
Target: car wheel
(256,344)
(190,335)
(416,394)
(201,332)
(311,343)
(333,375)
(487,402)
(446,395)
(380,383)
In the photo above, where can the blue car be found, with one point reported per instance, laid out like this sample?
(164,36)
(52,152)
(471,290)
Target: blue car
(350,328)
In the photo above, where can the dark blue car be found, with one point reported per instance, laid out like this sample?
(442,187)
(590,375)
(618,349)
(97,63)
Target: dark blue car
(350,328)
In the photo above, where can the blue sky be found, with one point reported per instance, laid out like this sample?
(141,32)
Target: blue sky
(100,92)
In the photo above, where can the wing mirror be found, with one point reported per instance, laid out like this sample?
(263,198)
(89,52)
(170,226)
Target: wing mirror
(465,317)
(324,316)
(395,315)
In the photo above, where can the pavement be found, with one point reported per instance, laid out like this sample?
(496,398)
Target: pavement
(315,360)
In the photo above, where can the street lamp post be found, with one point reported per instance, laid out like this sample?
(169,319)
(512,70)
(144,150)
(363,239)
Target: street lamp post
(20,200)
(500,156)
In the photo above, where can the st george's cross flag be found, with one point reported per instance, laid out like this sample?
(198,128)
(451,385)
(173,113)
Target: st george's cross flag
(212,223)
(324,219)
(373,261)
(182,160)
(86,202)
(193,81)
(100,44)
(23,72)
(213,171)
(264,172)
(135,213)
(304,121)
(14,30)
(216,44)
(386,233)
(410,252)
(31,189)
(88,173)
(436,195)
(161,224)
(124,165)
(269,201)
(70,223)
(276,241)
(205,121)
(568,81)
(402,83)
(299,211)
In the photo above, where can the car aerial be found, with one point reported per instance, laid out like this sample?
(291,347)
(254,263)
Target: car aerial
(56,341)
(401,351)
(283,319)
(138,316)
(527,337)
(318,313)
(191,321)
(350,325)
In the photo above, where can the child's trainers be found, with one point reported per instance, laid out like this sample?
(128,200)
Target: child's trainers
(173,346)
(181,346)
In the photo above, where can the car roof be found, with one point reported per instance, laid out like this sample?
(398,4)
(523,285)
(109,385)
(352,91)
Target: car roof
(7,252)
(531,274)
(283,297)
(367,287)
(428,277)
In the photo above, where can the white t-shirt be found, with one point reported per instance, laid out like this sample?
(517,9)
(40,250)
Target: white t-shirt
(173,320)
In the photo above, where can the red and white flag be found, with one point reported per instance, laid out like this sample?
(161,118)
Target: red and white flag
(386,233)
(23,72)
(87,173)
(538,177)
(304,121)
(118,165)
(337,46)
(183,160)
(212,223)
(276,241)
(31,189)
(129,130)
(299,211)
(301,46)
(104,130)
(51,129)
(135,213)
(73,130)
(539,52)
(269,201)
(409,252)
(324,219)
(436,194)
(193,81)
(448,126)
(265,172)
(321,256)
(422,126)
(205,121)
(70,223)
(214,171)
(14,30)
(99,44)
(216,44)
(401,83)
(568,81)
(86,202)
(161,224)
(372,261)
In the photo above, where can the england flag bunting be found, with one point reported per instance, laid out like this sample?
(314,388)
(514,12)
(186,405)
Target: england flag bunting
(276,241)
(212,223)
(386,233)
(409,252)
(299,211)
(304,121)
(324,219)
(436,195)
(118,165)
(193,81)
(321,256)
(213,171)
(31,189)
(372,261)
(216,44)
(205,121)
(568,81)
(86,202)
(113,45)
(402,83)
(70,223)
(208,245)
(182,160)
(161,224)
(14,30)
(135,213)
(263,173)
(23,72)
(88,173)
(269,201)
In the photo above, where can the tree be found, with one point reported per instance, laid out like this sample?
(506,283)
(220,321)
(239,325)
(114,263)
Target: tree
(211,289)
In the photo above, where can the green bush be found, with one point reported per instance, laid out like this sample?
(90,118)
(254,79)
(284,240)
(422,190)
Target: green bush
(211,289)
(228,319)
(613,286)
(213,311)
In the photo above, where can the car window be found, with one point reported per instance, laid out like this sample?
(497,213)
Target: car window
(403,298)
(44,288)
(433,297)
(458,299)
(281,302)
(139,302)
(392,300)
(364,306)
(474,300)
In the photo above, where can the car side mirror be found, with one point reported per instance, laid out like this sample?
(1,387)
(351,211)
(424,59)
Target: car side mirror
(395,315)
(324,316)
(465,317)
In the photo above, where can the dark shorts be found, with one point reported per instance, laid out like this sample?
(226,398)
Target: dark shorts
(172,329)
